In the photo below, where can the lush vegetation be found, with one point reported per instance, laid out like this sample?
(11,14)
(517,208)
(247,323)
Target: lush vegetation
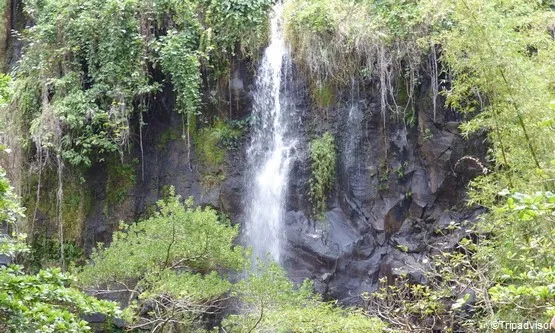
(170,262)
(337,41)
(80,92)
(496,59)
(77,86)
(173,271)
(91,69)
(507,78)
(42,302)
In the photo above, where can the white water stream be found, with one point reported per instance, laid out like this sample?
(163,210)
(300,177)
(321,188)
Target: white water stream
(270,151)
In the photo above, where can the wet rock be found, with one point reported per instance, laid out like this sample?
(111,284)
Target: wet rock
(396,216)
(374,214)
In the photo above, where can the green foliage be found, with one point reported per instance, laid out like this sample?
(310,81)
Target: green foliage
(166,137)
(181,62)
(10,211)
(509,276)
(317,15)
(45,302)
(323,159)
(524,288)
(5,89)
(78,85)
(229,133)
(401,171)
(450,301)
(505,84)
(510,66)
(507,77)
(209,147)
(172,262)
(232,21)
(211,144)
(271,303)
(89,66)
(335,39)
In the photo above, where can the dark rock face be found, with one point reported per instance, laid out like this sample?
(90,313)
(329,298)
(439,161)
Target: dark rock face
(396,185)
(390,198)
(167,159)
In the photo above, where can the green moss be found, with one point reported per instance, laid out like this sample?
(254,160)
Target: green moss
(212,142)
(166,137)
(76,203)
(45,252)
(121,178)
(76,206)
(323,163)
(404,101)
(322,95)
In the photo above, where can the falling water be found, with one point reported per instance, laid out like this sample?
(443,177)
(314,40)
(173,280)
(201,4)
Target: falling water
(270,150)
(352,150)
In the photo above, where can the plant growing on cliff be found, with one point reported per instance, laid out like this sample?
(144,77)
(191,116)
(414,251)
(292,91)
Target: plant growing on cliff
(453,297)
(82,84)
(505,85)
(89,70)
(336,41)
(323,159)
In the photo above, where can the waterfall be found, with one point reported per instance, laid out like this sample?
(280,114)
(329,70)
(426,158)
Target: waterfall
(270,151)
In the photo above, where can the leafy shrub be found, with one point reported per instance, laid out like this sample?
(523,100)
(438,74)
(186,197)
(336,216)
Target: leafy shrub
(172,264)
(270,302)
(45,302)
(524,252)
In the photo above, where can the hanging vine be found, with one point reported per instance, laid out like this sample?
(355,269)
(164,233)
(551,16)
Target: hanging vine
(97,77)
(89,67)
